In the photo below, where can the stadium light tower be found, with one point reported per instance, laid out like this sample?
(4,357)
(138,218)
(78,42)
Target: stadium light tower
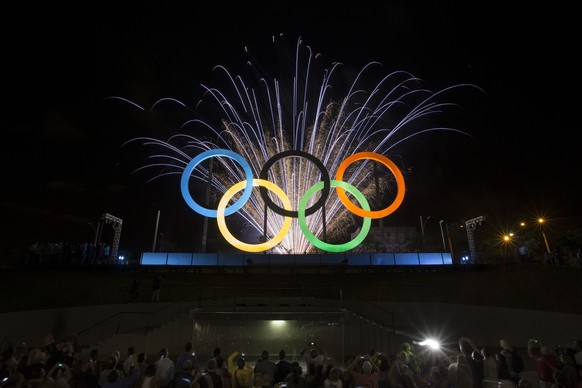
(470,225)
(117,224)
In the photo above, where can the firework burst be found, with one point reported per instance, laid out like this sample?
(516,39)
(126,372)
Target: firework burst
(311,109)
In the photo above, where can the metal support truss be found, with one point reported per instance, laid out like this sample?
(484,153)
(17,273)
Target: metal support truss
(116,223)
(470,225)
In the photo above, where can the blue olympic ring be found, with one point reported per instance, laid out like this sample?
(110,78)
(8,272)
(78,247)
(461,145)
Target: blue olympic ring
(212,213)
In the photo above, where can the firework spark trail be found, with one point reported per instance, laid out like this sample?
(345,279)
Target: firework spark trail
(254,124)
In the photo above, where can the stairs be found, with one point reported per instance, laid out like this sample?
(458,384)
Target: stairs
(251,327)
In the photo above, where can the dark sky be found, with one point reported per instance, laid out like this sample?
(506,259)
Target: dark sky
(64,165)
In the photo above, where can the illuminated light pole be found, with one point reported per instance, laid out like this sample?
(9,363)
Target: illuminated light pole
(522,249)
(156,232)
(450,241)
(541,222)
(443,235)
(506,241)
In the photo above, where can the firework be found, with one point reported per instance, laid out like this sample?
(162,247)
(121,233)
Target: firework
(310,108)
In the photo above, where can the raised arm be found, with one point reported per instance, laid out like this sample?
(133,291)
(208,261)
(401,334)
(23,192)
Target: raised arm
(353,364)
(374,366)
(230,360)
(463,341)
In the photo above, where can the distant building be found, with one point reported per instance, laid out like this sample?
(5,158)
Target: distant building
(387,239)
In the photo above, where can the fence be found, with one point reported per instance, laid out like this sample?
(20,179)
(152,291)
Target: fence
(342,260)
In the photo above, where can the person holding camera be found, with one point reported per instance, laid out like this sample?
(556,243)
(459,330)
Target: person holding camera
(314,356)
(241,374)
(364,372)
(187,354)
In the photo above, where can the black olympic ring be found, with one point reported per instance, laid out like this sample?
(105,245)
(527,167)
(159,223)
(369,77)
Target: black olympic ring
(294,213)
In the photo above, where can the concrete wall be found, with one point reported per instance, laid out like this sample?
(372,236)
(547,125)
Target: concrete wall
(150,326)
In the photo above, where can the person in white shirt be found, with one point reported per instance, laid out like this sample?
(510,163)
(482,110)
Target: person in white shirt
(315,355)
(165,369)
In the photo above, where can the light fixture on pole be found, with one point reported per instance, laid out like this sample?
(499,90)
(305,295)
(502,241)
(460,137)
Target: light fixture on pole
(541,222)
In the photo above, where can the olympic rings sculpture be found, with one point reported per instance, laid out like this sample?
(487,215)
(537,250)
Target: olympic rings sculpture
(302,212)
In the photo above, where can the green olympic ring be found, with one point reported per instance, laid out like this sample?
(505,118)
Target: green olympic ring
(321,244)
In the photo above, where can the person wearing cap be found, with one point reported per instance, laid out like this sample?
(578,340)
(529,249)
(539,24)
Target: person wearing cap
(241,374)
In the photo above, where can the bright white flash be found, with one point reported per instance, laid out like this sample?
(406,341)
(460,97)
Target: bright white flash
(431,343)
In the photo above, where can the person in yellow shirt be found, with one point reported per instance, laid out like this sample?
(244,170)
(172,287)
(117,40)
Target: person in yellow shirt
(375,357)
(241,373)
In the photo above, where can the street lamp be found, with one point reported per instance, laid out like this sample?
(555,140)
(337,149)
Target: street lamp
(507,242)
(507,238)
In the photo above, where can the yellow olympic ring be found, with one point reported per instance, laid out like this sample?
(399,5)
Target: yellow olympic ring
(386,162)
(242,245)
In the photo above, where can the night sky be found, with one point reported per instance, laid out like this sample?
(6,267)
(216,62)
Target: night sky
(62,155)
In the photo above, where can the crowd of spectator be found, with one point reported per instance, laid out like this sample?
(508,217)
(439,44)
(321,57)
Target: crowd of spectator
(60,366)
(66,253)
